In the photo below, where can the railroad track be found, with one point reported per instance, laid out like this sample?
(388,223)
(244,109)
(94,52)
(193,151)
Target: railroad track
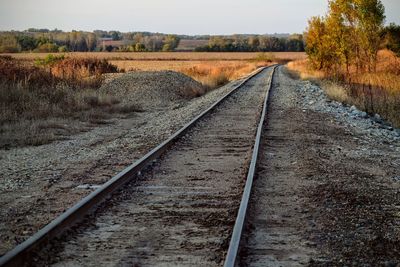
(176,205)
(270,230)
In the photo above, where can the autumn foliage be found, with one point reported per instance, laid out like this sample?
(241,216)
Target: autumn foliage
(348,36)
(344,48)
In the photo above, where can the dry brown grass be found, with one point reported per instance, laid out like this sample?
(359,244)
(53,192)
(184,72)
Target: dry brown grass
(377,92)
(213,75)
(31,96)
(75,69)
(153,65)
(213,69)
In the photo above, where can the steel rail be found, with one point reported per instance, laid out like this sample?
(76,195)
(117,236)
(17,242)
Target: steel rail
(21,253)
(231,256)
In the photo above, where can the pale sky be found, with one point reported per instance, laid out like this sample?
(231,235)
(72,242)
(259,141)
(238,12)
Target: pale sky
(170,16)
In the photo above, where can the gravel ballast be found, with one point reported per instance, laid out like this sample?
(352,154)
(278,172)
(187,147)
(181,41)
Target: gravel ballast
(153,89)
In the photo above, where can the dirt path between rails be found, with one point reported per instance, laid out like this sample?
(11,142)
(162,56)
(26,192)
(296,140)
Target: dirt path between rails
(181,211)
(327,191)
(39,183)
(273,235)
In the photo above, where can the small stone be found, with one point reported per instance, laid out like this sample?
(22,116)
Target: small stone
(396,178)
(390,264)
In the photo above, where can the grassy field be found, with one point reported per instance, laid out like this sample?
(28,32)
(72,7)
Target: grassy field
(210,73)
(190,45)
(376,92)
(211,69)
(166,56)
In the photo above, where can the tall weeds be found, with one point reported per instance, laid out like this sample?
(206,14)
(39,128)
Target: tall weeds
(29,95)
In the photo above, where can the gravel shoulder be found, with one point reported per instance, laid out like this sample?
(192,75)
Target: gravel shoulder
(328,188)
(352,162)
(39,183)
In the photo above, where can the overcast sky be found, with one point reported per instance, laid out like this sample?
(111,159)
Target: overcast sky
(170,16)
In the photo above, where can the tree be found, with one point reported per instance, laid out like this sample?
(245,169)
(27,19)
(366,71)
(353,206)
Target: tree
(27,43)
(47,47)
(391,38)
(138,38)
(140,47)
(91,41)
(9,44)
(166,48)
(316,45)
(349,34)
(295,43)
(371,15)
(115,35)
(153,43)
(170,43)
(254,43)
(63,49)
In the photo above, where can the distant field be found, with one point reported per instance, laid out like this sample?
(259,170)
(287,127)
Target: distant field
(167,56)
(176,65)
(155,65)
(190,45)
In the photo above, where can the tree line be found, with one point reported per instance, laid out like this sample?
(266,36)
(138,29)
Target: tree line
(44,40)
(261,43)
(350,36)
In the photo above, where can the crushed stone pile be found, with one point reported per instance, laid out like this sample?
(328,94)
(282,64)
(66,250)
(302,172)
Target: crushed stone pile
(152,89)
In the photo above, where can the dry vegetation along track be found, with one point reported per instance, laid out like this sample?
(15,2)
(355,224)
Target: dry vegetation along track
(181,210)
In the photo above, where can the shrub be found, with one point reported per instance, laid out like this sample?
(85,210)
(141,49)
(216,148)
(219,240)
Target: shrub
(49,60)
(35,92)
(47,47)
(63,49)
(79,68)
